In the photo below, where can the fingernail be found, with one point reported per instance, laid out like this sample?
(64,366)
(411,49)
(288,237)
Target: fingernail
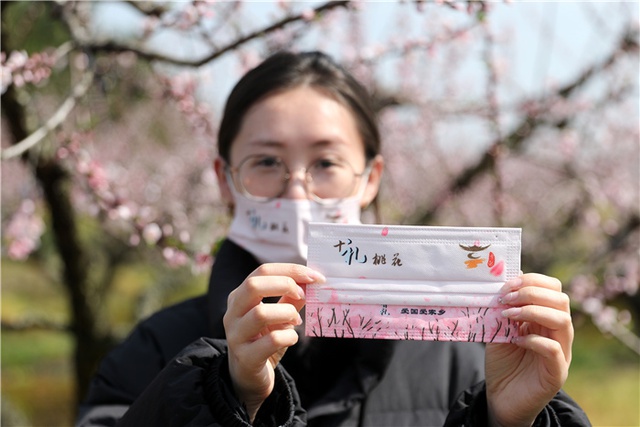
(301,293)
(506,299)
(299,321)
(316,277)
(511,284)
(512,312)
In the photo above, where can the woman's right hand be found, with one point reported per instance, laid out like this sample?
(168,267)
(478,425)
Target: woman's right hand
(258,334)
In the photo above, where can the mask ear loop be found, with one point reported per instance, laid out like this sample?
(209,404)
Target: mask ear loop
(375,206)
(364,176)
(231,206)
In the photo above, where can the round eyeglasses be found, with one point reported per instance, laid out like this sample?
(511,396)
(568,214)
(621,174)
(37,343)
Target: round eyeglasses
(264,177)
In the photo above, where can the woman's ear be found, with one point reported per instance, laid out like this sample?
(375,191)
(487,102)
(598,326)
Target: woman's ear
(373,184)
(219,165)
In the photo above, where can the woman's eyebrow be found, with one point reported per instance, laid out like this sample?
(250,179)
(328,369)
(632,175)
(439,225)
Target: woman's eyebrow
(329,142)
(266,143)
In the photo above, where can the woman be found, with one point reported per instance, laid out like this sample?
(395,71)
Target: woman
(299,142)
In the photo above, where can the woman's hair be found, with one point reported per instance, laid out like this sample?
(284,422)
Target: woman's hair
(286,70)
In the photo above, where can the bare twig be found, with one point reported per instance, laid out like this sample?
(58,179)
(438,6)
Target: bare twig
(54,121)
(155,56)
(148,8)
(515,140)
(624,335)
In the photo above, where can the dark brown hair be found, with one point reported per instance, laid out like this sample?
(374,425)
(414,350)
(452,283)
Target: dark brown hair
(286,70)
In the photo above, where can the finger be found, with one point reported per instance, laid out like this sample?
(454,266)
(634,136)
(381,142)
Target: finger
(262,284)
(260,350)
(551,351)
(550,318)
(299,273)
(297,303)
(261,317)
(557,322)
(532,279)
(254,289)
(533,295)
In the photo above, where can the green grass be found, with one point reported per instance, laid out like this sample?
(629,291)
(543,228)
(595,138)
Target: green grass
(604,379)
(23,350)
(42,392)
(610,397)
(27,291)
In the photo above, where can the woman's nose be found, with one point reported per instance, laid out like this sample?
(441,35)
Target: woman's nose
(297,185)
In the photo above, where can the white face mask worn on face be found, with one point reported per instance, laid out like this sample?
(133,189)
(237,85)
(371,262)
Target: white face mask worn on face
(276,231)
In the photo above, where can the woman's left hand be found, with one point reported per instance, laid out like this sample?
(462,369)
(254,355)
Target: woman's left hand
(522,378)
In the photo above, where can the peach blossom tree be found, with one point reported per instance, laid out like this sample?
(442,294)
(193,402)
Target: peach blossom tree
(110,110)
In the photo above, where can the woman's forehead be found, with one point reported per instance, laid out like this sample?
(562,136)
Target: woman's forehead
(302,118)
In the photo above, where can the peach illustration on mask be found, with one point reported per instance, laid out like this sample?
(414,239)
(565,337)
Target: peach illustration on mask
(475,259)
(497,269)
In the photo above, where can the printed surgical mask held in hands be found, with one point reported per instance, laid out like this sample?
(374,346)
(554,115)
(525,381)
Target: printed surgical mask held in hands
(419,283)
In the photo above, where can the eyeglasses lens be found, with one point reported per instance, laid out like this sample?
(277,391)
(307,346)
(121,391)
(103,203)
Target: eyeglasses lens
(267,177)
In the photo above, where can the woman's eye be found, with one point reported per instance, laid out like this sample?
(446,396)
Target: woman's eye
(325,164)
(267,162)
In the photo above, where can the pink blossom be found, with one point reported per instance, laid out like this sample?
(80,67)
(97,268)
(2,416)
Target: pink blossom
(62,153)
(24,231)
(187,18)
(6,78)
(175,257)
(283,4)
(17,59)
(357,5)
(606,318)
(151,233)
(568,143)
(204,9)
(582,287)
(97,176)
(202,263)
(167,229)
(308,14)
(82,166)
(149,25)
(182,88)
(18,80)
(125,212)
(592,305)
(134,240)
(20,69)
(20,249)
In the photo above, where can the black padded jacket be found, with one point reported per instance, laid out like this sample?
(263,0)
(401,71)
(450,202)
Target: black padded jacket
(172,371)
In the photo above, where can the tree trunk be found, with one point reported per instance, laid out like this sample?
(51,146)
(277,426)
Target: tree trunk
(90,345)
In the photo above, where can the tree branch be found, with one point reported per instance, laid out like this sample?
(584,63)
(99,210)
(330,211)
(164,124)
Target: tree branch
(514,141)
(148,8)
(154,56)
(617,240)
(624,335)
(54,121)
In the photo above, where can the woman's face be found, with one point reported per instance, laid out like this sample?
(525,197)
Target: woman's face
(302,126)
